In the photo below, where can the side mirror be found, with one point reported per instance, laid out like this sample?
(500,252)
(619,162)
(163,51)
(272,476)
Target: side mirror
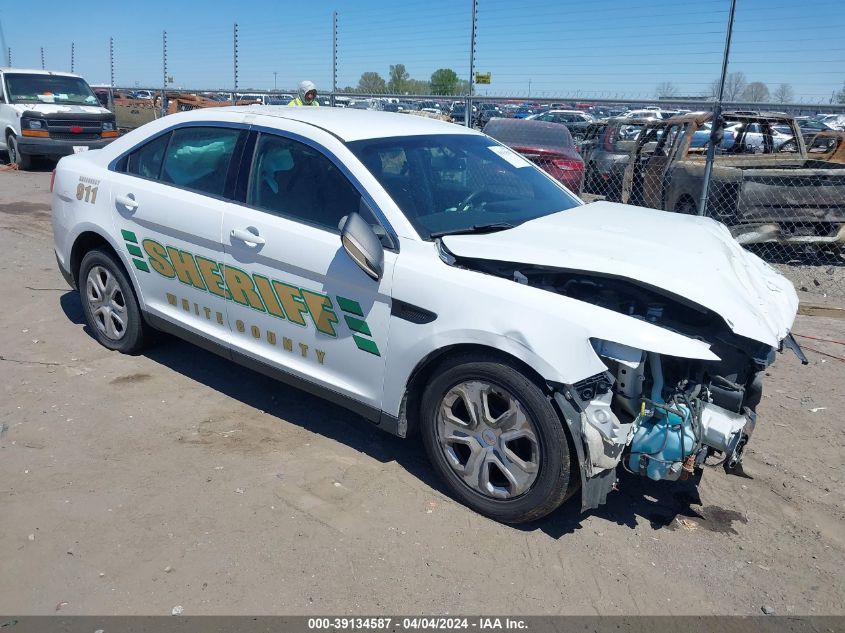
(363,245)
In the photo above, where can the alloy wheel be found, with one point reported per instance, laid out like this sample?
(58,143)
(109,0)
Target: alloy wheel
(488,439)
(106,302)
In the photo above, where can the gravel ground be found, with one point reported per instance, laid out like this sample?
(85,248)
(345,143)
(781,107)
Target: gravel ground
(135,484)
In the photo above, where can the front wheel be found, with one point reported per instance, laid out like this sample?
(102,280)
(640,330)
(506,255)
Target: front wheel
(495,439)
(16,157)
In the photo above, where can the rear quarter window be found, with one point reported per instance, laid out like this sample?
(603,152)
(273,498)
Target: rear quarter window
(146,161)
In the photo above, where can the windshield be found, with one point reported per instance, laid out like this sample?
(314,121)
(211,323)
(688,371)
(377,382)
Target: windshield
(22,88)
(450,182)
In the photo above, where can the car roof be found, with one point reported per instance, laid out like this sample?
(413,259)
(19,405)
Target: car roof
(349,124)
(37,71)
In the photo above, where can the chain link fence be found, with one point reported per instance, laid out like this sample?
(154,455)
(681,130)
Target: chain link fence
(615,121)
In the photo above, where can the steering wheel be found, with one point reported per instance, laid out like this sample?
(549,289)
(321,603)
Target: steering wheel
(466,203)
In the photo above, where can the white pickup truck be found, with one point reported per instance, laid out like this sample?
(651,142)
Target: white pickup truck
(47,113)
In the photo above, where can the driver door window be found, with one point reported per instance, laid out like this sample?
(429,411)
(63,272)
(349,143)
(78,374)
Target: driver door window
(294,180)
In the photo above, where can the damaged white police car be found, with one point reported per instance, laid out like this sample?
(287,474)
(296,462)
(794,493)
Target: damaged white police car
(429,278)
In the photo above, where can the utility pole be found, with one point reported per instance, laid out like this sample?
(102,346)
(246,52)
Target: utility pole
(468,108)
(717,115)
(6,50)
(334,56)
(111,74)
(72,52)
(235,59)
(164,72)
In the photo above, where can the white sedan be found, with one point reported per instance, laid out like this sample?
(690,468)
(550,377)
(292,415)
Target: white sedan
(432,281)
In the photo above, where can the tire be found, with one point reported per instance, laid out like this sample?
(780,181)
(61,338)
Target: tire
(530,443)
(110,305)
(23,161)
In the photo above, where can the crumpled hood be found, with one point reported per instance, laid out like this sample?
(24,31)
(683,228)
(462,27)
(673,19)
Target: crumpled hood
(688,256)
(58,108)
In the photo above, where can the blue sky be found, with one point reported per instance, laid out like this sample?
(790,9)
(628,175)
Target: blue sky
(604,48)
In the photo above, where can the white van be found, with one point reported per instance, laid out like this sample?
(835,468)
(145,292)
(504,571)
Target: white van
(47,113)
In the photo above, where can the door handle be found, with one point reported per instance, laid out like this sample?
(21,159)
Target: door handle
(127,201)
(247,237)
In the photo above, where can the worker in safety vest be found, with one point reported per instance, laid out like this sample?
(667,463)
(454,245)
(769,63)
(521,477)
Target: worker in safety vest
(307,95)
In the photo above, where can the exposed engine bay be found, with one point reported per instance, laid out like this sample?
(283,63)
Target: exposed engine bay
(659,416)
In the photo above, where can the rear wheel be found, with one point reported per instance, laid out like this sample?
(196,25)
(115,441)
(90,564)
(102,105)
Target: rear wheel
(109,302)
(16,157)
(495,439)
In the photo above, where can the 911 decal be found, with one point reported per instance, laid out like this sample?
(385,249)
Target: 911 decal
(86,189)
(299,306)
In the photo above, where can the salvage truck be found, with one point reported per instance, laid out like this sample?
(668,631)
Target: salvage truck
(436,283)
(764,186)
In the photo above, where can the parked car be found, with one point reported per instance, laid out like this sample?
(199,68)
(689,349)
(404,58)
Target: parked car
(767,192)
(487,111)
(548,145)
(575,121)
(607,156)
(645,114)
(49,113)
(437,284)
(836,121)
(457,113)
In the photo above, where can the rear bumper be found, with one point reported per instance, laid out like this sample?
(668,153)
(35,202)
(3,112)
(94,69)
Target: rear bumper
(54,147)
(65,273)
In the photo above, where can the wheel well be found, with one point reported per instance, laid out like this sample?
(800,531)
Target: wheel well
(86,242)
(427,366)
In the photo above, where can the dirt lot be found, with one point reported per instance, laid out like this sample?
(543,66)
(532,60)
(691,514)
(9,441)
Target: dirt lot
(134,484)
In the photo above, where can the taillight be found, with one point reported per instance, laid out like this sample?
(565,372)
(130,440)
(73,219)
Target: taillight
(567,164)
(52,180)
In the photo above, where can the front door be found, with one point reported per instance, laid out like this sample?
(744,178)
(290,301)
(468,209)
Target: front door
(169,197)
(299,302)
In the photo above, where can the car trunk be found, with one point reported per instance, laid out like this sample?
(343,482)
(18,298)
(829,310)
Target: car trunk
(563,164)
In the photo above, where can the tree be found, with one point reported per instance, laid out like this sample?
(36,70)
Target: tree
(417,87)
(734,85)
(398,77)
(371,82)
(756,92)
(783,94)
(839,95)
(444,81)
(665,90)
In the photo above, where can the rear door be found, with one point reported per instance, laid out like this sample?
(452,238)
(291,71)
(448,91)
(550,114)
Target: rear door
(299,302)
(169,196)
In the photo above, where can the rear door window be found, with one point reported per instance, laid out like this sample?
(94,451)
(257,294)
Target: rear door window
(198,158)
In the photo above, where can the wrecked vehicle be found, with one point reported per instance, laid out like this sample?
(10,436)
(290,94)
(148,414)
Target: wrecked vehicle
(607,153)
(438,284)
(828,147)
(765,188)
